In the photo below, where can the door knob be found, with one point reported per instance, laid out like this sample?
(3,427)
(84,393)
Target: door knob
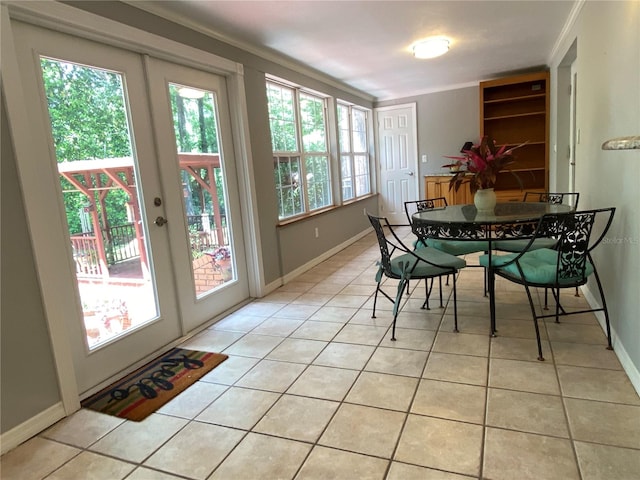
(160,221)
(410,174)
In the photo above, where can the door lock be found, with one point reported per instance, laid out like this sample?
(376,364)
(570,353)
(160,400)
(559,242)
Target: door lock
(160,221)
(157,201)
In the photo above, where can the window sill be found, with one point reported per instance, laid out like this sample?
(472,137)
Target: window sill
(315,213)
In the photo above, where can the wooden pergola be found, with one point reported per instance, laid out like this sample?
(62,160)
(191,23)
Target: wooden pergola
(85,176)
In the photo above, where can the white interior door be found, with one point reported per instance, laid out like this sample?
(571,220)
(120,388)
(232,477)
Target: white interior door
(397,148)
(125,310)
(191,114)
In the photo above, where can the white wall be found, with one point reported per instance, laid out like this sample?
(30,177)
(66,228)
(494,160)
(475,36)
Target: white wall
(608,105)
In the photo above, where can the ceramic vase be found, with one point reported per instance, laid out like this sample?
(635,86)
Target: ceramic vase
(485,200)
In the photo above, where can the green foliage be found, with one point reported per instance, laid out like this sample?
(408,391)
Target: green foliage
(318,181)
(195,125)
(88,115)
(88,121)
(295,178)
(312,122)
(287,179)
(282,118)
(87,111)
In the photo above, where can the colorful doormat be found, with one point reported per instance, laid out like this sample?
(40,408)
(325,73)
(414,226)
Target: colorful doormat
(144,391)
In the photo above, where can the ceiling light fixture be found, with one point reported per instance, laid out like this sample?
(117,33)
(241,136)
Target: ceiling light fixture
(430,47)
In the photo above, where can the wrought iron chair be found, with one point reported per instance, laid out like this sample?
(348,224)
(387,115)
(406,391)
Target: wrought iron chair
(402,263)
(452,247)
(568,265)
(554,198)
(547,242)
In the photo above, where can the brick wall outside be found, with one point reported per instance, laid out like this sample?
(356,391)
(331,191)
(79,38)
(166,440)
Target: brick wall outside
(205,275)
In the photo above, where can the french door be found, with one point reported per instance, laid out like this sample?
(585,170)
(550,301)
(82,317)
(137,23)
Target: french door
(196,156)
(144,172)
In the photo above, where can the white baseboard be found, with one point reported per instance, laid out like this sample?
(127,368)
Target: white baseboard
(328,254)
(267,289)
(36,424)
(618,347)
(316,261)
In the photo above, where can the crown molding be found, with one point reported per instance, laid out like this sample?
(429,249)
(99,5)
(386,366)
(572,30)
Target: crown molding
(159,10)
(568,26)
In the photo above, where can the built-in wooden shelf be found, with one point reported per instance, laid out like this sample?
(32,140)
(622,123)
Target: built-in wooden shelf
(515,110)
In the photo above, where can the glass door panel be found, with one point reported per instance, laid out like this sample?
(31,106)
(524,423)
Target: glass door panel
(99,181)
(201,170)
(88,108)
(191,115)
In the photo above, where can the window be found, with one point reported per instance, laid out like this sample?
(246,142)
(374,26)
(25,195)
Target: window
(300,155)
(354,152)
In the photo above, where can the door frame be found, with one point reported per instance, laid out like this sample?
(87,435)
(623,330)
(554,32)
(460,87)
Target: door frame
(50,265)
(573,129)
(413,146)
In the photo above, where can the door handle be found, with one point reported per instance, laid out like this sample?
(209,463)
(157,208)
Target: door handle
(409,173)
(160,221)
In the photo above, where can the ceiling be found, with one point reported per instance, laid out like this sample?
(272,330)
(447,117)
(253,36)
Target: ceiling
(366,44)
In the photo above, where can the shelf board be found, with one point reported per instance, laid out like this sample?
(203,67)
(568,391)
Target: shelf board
(509,145)
(520,170)
(528,114)
(515,99)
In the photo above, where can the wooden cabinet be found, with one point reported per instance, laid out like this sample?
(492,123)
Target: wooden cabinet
(438,186)
(515,110)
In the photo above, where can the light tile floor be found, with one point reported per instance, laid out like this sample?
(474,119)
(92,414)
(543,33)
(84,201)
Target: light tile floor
(315,389)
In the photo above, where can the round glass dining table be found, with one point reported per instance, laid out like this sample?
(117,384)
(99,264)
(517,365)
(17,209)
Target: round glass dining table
(509,212)
(465,222)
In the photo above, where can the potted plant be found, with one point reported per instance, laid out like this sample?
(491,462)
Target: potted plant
(221,258)
(479,166)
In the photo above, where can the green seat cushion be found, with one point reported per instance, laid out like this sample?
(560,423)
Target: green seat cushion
(424,269)
(520,245)
(458,247)
(538,266)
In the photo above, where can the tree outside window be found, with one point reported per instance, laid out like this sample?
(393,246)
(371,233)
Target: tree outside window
(300,154)
(354,152)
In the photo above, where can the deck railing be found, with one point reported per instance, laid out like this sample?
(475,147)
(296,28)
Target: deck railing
(120,244)
(85,255)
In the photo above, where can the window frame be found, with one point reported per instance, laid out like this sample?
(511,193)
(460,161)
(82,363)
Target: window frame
(301,156)
(350,152)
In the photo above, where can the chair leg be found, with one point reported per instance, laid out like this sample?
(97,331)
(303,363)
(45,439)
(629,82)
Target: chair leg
(559,308)
(393,328)
(577,292)
(396,307)
(491,283)
(375,300)
(604,309)
(427,288)
(485,282)
(546,298)
(440,285)
(455,305)
(447,284)
(535,322)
